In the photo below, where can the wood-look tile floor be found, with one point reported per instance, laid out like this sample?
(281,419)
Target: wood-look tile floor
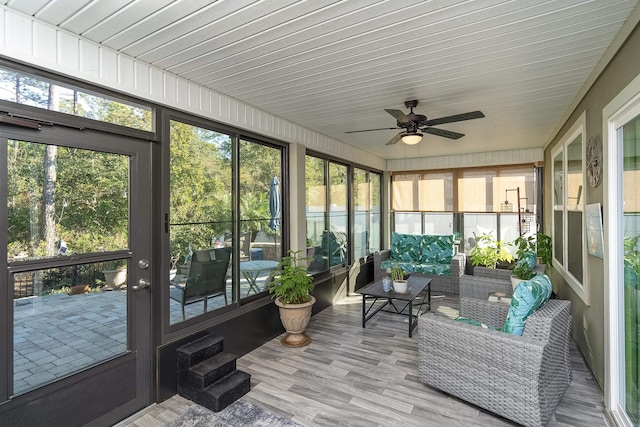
(350,376)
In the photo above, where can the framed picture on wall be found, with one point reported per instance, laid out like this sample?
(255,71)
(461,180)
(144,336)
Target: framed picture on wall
(593,213)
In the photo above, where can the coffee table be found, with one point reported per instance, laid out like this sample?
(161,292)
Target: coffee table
(374,292)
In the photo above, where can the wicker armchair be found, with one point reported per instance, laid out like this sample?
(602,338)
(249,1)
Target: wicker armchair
(521,378)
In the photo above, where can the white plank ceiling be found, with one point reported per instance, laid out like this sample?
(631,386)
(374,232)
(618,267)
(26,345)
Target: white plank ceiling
(334,66)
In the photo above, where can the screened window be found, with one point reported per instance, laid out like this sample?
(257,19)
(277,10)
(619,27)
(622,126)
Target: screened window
(568,208)
(342,224)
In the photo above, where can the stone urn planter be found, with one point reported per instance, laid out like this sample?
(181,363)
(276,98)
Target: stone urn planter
(115,279)
(291,290)
(295,319)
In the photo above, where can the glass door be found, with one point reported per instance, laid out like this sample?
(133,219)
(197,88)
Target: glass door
(77,258)
(628,137)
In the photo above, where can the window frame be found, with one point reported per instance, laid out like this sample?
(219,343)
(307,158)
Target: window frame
(581,288)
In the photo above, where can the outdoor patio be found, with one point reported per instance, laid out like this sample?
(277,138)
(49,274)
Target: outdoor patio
(56,335)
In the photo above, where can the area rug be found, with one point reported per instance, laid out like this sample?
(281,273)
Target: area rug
(240,413)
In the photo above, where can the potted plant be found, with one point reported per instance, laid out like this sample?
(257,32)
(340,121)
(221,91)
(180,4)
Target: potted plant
(524,245)
(488,251)
(522,271)
(543,248)
(400,285)
(115,274)
(291,289)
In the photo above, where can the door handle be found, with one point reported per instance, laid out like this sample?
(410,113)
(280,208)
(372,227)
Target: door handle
(142,283)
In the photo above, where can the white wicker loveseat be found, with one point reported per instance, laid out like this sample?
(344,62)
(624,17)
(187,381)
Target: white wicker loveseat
(521,378)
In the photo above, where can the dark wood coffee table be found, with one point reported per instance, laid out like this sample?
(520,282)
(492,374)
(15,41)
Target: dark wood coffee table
(374,292)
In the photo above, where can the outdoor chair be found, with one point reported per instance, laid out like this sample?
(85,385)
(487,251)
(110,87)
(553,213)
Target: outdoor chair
(207,278)
(521,378)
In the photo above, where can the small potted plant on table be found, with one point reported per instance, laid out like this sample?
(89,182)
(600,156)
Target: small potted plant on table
(291,288)
(400,284)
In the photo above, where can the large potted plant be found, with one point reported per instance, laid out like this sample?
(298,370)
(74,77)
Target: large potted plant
(522,271)
(488,251)
(291,289)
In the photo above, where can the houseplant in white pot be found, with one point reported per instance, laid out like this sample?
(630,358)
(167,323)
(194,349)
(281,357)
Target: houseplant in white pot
(522,271)
(291,288)
(400,284)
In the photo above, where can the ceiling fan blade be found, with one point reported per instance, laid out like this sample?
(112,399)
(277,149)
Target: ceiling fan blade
(445,133)
(369,130)
(399,115)
(455,118)
(395,139)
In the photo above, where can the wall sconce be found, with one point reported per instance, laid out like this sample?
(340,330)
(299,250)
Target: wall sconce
(411,138)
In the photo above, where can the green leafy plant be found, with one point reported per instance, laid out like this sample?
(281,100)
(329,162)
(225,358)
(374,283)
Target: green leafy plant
(543,248)
(396,272)
(631,253)
(524,245)
(291,281)
(523,271)
(488,251)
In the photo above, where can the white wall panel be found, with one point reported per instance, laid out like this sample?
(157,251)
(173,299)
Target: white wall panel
(109,65)
(44,44)
(89,59)
(68,51)
(157,83)
(205,99)
(80,58)
(142,82)
(182,95)
(170,90)
(126,73)
(18,33)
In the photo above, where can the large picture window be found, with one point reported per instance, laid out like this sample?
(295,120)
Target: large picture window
(568,208)
(210,229)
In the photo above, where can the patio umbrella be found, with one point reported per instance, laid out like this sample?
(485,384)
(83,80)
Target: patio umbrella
(274,203)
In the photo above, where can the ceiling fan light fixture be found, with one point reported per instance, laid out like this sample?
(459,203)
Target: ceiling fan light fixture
(411,138)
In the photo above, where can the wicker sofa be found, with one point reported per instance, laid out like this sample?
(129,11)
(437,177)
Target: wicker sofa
(521,378)
(430,256)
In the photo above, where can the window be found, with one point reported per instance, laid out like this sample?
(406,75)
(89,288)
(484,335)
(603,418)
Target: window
(568,208)
(366,215)
(201,218)
(205,217)
(28,89)
(332,230)
(464,202)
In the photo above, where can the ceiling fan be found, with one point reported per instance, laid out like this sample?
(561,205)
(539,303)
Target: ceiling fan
(412,124)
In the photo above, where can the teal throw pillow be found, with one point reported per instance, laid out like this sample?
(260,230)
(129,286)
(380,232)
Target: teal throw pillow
(530,258)
(527,297)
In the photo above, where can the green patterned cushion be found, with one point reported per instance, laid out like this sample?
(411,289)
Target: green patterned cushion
(474,322)
(527,297)
(436,269)
(408,267)
(437,249)
(405,247)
